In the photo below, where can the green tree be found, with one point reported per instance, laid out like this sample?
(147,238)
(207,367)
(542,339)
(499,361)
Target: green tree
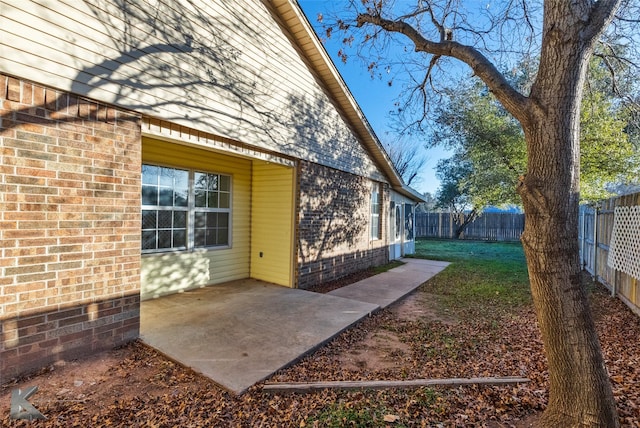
(481,133)
(453,194)
(607,155)
(487,140)
(562,35)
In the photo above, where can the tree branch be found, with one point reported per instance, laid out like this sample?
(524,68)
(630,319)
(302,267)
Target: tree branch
(516,103)
(602,14)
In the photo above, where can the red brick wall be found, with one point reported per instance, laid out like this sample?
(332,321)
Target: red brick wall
(333,229)
(69,226)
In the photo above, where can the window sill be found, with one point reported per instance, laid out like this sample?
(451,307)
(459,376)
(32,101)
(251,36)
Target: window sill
(185,251)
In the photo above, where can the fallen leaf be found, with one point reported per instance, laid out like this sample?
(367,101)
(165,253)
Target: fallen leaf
(391,418)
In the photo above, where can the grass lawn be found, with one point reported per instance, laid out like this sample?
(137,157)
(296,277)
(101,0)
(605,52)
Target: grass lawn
(481,273)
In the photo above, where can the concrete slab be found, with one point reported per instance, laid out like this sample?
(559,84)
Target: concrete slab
(241,332)
(388,287)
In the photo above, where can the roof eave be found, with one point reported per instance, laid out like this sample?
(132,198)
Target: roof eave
(301,30)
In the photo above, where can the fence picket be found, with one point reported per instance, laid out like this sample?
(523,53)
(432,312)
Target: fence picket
(487,227)
(596,226)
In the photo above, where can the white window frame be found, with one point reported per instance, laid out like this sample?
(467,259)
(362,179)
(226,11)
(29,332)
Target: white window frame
(375,212)
(191,210)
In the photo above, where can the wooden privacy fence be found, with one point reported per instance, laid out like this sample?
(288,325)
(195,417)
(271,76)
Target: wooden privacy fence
(487,227)
(597,226)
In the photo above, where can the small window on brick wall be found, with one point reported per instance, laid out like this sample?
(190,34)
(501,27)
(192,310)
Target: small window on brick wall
(376,208)
(184,209)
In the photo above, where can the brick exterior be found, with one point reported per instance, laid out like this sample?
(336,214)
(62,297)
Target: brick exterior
(334,225)
(69,226)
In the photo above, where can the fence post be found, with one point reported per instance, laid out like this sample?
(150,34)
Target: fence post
(595,243)
(583,217)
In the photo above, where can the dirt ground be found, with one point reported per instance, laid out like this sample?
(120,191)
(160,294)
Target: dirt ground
(416,338)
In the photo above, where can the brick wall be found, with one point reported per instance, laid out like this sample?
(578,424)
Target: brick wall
(333,225)
(69,226)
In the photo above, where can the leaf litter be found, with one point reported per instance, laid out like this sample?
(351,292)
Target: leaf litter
(135,386)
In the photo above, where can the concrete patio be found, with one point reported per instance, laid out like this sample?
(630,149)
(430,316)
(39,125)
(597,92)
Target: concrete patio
(241,332)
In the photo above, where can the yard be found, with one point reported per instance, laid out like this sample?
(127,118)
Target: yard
(474,319)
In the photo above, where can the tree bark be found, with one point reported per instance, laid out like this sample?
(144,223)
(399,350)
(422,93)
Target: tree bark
(463,221)
(580,393)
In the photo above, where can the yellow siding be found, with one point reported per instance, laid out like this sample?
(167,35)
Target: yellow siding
(172,272)
(272,225)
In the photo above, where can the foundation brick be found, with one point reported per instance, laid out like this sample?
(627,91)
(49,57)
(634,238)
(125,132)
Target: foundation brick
(338,220)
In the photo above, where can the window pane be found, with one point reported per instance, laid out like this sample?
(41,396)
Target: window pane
(201,219)
(200,238)
(149,219)
(223,237)
(224,200)
(164,239)
(212,220)
(213,200)
(181,180)
(200,180)
(166,197)
(179,238)
(180,219)
(374,228)
(225,183)
(149,195)
(167,176)
(180,198)
(408,221)
(201,198)
(149,240)
(213,181)
(211,237)
(150,174)
(164,219)
(223,220)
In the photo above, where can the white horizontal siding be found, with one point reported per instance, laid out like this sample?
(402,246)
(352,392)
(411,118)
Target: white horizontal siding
(221,66)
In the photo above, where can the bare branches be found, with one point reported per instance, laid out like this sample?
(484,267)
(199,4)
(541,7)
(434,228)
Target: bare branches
(408,159)
(515,102)
(602,14)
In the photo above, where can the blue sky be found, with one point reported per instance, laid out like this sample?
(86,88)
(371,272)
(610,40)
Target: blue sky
(375,97)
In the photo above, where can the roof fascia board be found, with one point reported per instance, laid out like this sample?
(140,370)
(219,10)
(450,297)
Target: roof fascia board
(334,84)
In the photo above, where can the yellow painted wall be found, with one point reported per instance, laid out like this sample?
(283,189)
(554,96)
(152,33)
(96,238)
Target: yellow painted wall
(168,273)
(272,226)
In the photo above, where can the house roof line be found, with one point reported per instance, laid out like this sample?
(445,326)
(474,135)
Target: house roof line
(307,40)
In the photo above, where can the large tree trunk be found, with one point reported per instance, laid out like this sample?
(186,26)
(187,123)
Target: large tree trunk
(580,392)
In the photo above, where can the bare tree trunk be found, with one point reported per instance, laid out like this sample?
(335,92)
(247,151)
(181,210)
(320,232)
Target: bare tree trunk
(580,393)
(463,221)
(579,383)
